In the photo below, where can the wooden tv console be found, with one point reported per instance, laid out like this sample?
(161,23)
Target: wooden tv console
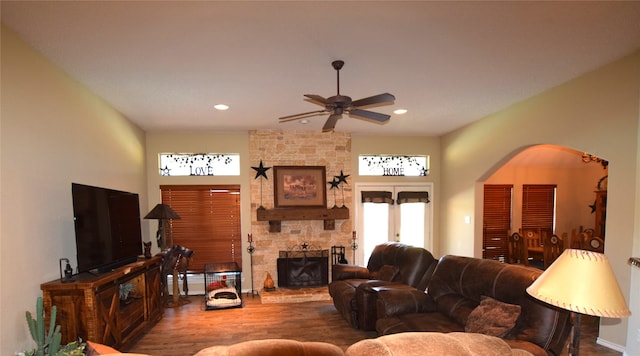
(91,308)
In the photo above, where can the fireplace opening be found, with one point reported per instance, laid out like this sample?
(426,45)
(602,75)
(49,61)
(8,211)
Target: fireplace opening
(303,268)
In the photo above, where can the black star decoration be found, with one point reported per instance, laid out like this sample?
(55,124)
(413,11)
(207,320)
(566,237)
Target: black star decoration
(342,177)
(335,183)
(165,171)
(261,170)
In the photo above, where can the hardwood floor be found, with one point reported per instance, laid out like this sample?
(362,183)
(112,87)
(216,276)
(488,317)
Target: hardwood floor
(185,330)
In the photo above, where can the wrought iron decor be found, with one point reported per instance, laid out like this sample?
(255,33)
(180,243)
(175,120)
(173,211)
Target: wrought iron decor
(261,171)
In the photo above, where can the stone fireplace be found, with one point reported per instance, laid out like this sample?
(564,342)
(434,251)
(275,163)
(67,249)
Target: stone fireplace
(295,148)
(303,268)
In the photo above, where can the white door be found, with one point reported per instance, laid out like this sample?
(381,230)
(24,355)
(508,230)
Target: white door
(409,223)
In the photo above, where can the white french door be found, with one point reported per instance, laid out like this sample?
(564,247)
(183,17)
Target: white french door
(409,222)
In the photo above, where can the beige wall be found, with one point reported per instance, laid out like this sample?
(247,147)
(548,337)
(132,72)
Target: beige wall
(402,145)
(197,142)
(596,113)
(54,132)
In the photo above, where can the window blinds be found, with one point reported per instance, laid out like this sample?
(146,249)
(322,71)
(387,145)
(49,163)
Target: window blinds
(209,224)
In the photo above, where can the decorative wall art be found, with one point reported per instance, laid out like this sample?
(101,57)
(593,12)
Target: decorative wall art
(393,165)
(299,186)
(199,164)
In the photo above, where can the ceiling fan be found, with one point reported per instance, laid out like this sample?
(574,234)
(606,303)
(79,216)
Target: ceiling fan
(341,104)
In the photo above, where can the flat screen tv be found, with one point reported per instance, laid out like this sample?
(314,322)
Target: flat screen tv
(107,226)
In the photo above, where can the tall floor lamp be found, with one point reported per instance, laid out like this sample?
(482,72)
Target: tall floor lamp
(162,213)
(584,283)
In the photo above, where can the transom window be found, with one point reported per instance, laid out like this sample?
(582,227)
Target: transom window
(393,165)
(199,164)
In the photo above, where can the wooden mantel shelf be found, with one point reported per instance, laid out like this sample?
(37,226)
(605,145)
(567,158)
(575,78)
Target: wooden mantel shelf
(275,216)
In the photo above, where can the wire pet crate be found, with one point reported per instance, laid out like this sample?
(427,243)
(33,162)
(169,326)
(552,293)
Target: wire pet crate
(222,283)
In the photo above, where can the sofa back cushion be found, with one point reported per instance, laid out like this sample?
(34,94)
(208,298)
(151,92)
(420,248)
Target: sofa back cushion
(273,347)
(415,265)
(459,283)
(431,343)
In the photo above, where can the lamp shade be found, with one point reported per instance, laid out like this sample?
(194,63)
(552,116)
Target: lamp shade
(583,282)
(162,211)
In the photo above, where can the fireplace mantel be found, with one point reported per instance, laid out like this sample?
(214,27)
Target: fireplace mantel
(275,216)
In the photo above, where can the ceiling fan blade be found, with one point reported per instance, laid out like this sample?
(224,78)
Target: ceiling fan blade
(302,115)
(376,99)
(331,123)
(370,115)
(318,99)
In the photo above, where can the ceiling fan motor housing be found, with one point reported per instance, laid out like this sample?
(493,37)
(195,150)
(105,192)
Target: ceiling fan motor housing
(340,101)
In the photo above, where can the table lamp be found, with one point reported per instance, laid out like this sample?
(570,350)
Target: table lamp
(162,212)
(584,283)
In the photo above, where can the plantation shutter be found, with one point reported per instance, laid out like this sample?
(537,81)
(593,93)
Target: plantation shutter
(209,224)
(538,206)
(496,220)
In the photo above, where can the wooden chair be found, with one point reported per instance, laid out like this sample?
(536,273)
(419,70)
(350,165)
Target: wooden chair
(576,239)
(534,244)
(553,247)
(592,243)
(517,251)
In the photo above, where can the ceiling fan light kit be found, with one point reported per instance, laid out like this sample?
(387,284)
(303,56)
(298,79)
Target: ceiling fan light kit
(338,104)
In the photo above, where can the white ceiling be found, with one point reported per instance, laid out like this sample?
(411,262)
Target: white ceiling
(164,64)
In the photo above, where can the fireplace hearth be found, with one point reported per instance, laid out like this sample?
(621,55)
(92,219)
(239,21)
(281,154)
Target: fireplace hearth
(303,268)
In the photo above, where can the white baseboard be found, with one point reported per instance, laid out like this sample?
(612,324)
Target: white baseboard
(610,345)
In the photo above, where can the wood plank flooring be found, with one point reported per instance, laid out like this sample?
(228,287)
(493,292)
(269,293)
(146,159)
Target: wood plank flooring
(185,330)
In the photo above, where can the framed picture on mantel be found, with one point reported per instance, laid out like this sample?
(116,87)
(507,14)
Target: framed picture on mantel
(299,187)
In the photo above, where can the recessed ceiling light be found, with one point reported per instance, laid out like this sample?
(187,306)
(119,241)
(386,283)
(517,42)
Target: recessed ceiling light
(304,121)
(221,107)
(400,111)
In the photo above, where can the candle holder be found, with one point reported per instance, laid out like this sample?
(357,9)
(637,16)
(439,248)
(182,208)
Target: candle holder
(354,245)
(251,249)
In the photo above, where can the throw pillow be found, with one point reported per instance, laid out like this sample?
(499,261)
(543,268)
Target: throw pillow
(387,273)
(492,317)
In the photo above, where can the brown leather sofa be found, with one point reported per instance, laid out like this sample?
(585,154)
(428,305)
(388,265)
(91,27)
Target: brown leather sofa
(457,287)
(353,287)
(273,347)
(418,343)
(458,344)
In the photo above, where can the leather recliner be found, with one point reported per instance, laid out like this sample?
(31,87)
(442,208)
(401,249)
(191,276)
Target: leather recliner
(354,288)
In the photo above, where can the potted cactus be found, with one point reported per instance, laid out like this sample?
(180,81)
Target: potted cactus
(48,340)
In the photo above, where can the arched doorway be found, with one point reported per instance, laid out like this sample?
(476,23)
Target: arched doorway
(579,196)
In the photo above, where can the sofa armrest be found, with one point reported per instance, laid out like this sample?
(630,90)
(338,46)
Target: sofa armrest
(341,272)
(393,302)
